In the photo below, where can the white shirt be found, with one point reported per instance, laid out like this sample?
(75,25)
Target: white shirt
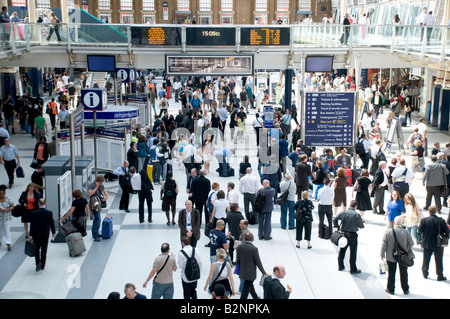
(248,184)
(422,128)
(430,20)
(233,196)
(398,171)
(385,178)
(136,181)
(221,206)
(257,122)
(326,195)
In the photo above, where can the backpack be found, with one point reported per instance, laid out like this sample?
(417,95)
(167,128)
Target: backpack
(169,188)
(192,268)
(236,102)
(153,155)
(260,201)
(359,148)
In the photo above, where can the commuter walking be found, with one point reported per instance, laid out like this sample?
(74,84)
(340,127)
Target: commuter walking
(248,187)
(304,208)
(248,259)
(434,179)
(6,206)
(123,172)
(141,183)
(287,210)
(189,221)
(79,210)
(265,215)
(9,157)
(431,227)
(393,237)
(220,273)
(350,223)
(41,225)
(169,192)
(97,194)
(273,289)
(54,27)
(164,266)
(325,209)
(187,266)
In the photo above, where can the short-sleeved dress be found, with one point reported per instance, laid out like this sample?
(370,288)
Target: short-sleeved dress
(340,194)
(363,197)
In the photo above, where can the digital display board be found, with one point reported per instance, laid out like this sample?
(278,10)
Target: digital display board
(329,119)
(209,64)
(155,36)
(101,63)
(265,36)
(211,36)
(319,64)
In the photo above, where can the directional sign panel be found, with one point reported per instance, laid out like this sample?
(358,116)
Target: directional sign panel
(94,99)
(329,118)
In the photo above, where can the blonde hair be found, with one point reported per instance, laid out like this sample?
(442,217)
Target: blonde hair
(221,253)
(305,195)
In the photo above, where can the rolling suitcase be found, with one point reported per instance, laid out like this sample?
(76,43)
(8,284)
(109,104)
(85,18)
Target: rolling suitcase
(76,244)
(107,227)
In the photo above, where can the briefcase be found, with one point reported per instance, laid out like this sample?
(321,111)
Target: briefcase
(30,248)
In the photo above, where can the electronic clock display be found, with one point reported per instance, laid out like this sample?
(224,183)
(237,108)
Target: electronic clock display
(156,36)
(265,36)
(211,36)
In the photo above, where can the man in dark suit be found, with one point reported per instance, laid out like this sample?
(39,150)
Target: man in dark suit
(380,181)
(201,186)
(302,172)
(190,180)
(430,227)
(248,258)
(273,289)
(141,183)
(41,225)
(189,220)
(265,215)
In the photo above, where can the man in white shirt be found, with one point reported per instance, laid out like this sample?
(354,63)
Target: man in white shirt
(422,127)
(248,186)
(189,286)
(430,21)
(326,197)
(232,194)
(397,174)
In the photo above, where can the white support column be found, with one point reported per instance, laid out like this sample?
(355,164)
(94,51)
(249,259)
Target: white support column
(31,4)
(65,11)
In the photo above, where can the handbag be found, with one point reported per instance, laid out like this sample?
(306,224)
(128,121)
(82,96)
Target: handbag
(17,211)
(442,240)
(34,163)
(68,228)
(211,286)
(281,200)
(400,185)
(30,248)
(338,238)
(19,172)
(401,255)
(415,159)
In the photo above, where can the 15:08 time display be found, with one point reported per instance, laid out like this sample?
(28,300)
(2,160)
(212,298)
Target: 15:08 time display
(211,33)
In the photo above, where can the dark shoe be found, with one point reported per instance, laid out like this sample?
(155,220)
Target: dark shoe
(357,271)
(38,267)
(269,238)
(341,268)
(97,239)
(406,292)
(441,278)
(389,292)
(309,247)
(298,246)
(150,220)
(9,247)
(425,276)
(261,238)
(127,210)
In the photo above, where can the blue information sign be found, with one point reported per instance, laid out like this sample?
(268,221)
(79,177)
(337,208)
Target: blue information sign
(269,116)
(329,118)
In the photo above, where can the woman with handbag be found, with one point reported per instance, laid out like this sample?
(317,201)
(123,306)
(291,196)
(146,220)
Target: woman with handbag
(79,210)
(304,218)
(41,152)
(413,216)
(29,200)
(6,206)
(220,272)
(394,237)
(363,188)
(290,187)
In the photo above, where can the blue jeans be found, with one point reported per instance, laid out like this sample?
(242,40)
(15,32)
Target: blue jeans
(264,224)
(96,224)
(413,232)
(162,290)
(317,190)
(284,215)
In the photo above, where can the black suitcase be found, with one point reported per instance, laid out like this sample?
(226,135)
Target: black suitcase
(324,232)
(252,218)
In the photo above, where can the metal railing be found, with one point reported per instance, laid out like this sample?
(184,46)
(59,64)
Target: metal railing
(420,40)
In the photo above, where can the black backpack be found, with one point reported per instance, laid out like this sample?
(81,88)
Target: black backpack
(192,268)
(169,188)
(359,148)
(260,202)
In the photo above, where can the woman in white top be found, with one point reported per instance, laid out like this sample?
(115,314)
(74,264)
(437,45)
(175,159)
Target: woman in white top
(224,276)
(207,151)
(221,207)
(6,206)
(413,216)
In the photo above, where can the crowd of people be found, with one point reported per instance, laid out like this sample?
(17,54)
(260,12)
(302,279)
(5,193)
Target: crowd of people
(210,113)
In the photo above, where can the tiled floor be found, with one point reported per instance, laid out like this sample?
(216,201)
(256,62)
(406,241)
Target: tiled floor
(128,256)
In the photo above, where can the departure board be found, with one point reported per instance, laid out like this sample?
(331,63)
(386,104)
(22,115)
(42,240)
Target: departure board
(156,36)
(210,36)
(265,36)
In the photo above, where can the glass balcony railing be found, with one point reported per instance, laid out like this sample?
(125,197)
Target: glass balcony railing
(408,39)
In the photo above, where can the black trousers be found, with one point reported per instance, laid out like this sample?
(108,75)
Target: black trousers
(248,199)
(143,196)
(438,258)
(40,253)
(352,239)
(434,191)
(10,167)
(248,288)
(391,276)
(189,289)
(125,198)
(326,210)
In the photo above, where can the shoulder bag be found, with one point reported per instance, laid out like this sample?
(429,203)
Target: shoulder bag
(400,254)
(442,239)
(157,273)
(400,185)
(213,283)
(282,199)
